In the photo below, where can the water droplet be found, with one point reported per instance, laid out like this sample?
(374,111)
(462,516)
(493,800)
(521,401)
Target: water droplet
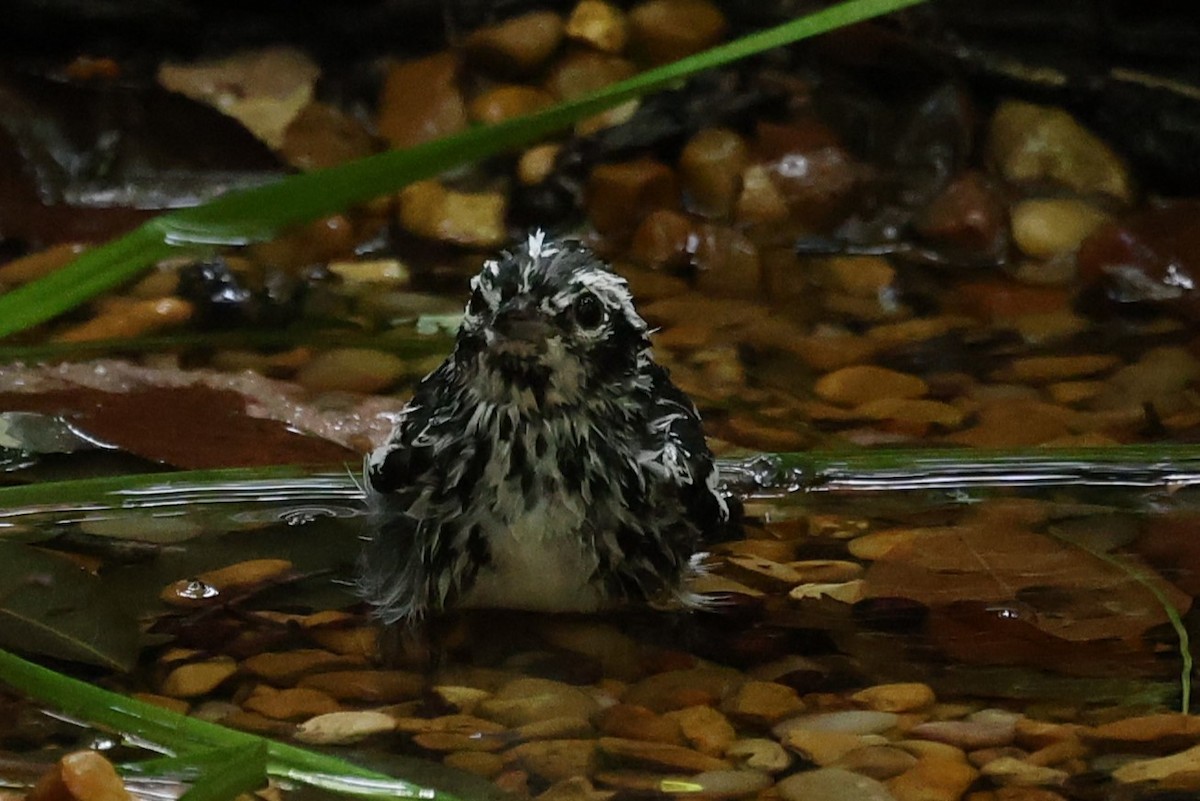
(197,590)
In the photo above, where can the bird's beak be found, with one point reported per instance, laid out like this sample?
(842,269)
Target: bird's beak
(521,324)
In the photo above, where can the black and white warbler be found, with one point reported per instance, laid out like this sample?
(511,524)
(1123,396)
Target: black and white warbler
(549,463)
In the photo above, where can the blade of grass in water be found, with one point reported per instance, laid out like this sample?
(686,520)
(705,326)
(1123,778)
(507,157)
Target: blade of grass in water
(1152,585)
(182,734)
(256,214)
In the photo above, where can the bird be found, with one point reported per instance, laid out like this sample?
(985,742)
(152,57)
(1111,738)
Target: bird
(548,464)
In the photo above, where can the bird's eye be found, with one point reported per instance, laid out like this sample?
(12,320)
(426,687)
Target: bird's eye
(588,311)
(478,304)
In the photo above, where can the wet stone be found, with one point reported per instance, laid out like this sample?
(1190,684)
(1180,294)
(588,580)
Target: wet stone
(762,703)
(351,370)
(421,101)
(289,704)
(340,728)
(376,686)
(1011,771)
(554,760)
(676,689)
(851,721)
(81,776)
(529,699)
(934,778)
(731,783)
(659,756)
(198,678)
(639,723)
(1049,228)
(832,784)
(599,25)
(852,386)
(517,46)
(759,753)
(287,667)
(901,697)
(880,762)
(704,728)
(666,30)
(481,763)
(822,747)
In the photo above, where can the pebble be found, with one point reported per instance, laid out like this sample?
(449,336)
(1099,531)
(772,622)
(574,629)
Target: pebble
(621,194)
(846,592)
(129,319)
(968,215)
(934,778)
(505,102)
(762,573)
(1042,369)
(537,163)
(730,783)
(880,762)
(1167,729)
(517,46)
(198,678)
(599,25)
(373,686)
(554,729)
(481,763)
(39,264)
(705,729)
(342,728)
(80,776)
(966,734)
(351,370)
(659,756)
(676,689)
(822,747)
(639,723)
(826,571)
(476,219)
(899,697)
(710,168)
(1048,228)
(912,410)
(214,586)
(1145,770)
(851,721)
(582,73)
(287,667)
(853,386)
(526,700)
(1029,144)
(575,788)
(290,703)
(1011,771)
(832,784)
(420,101)
(762,703)
(759,753)
(667,30)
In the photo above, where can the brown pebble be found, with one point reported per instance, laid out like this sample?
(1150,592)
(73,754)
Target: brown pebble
(710,168)
(852,386)
(662,756)
(215,586)
(639,723)
(198,678)
(898,697)
(376,686)
(585,72)
(599,25)
(39,263)
(343,728)
(705,729)
(481,763)
(420,101)
(430,210)
(80,776)
(620,195)
(289,704)
(286,667)
(131,319)
(505,102)
(554,760)
(667,30)
(516,46)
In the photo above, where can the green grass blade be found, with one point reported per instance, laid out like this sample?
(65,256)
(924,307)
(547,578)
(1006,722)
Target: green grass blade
(240,771)
(1153,586)
(182,734)
(255,214)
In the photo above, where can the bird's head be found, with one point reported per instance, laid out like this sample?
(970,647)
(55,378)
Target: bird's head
(549,324)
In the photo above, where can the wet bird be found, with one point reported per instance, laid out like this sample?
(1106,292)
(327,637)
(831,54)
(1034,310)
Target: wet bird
(548,464)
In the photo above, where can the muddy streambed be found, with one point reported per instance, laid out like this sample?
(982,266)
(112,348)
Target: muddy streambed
(868,242)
